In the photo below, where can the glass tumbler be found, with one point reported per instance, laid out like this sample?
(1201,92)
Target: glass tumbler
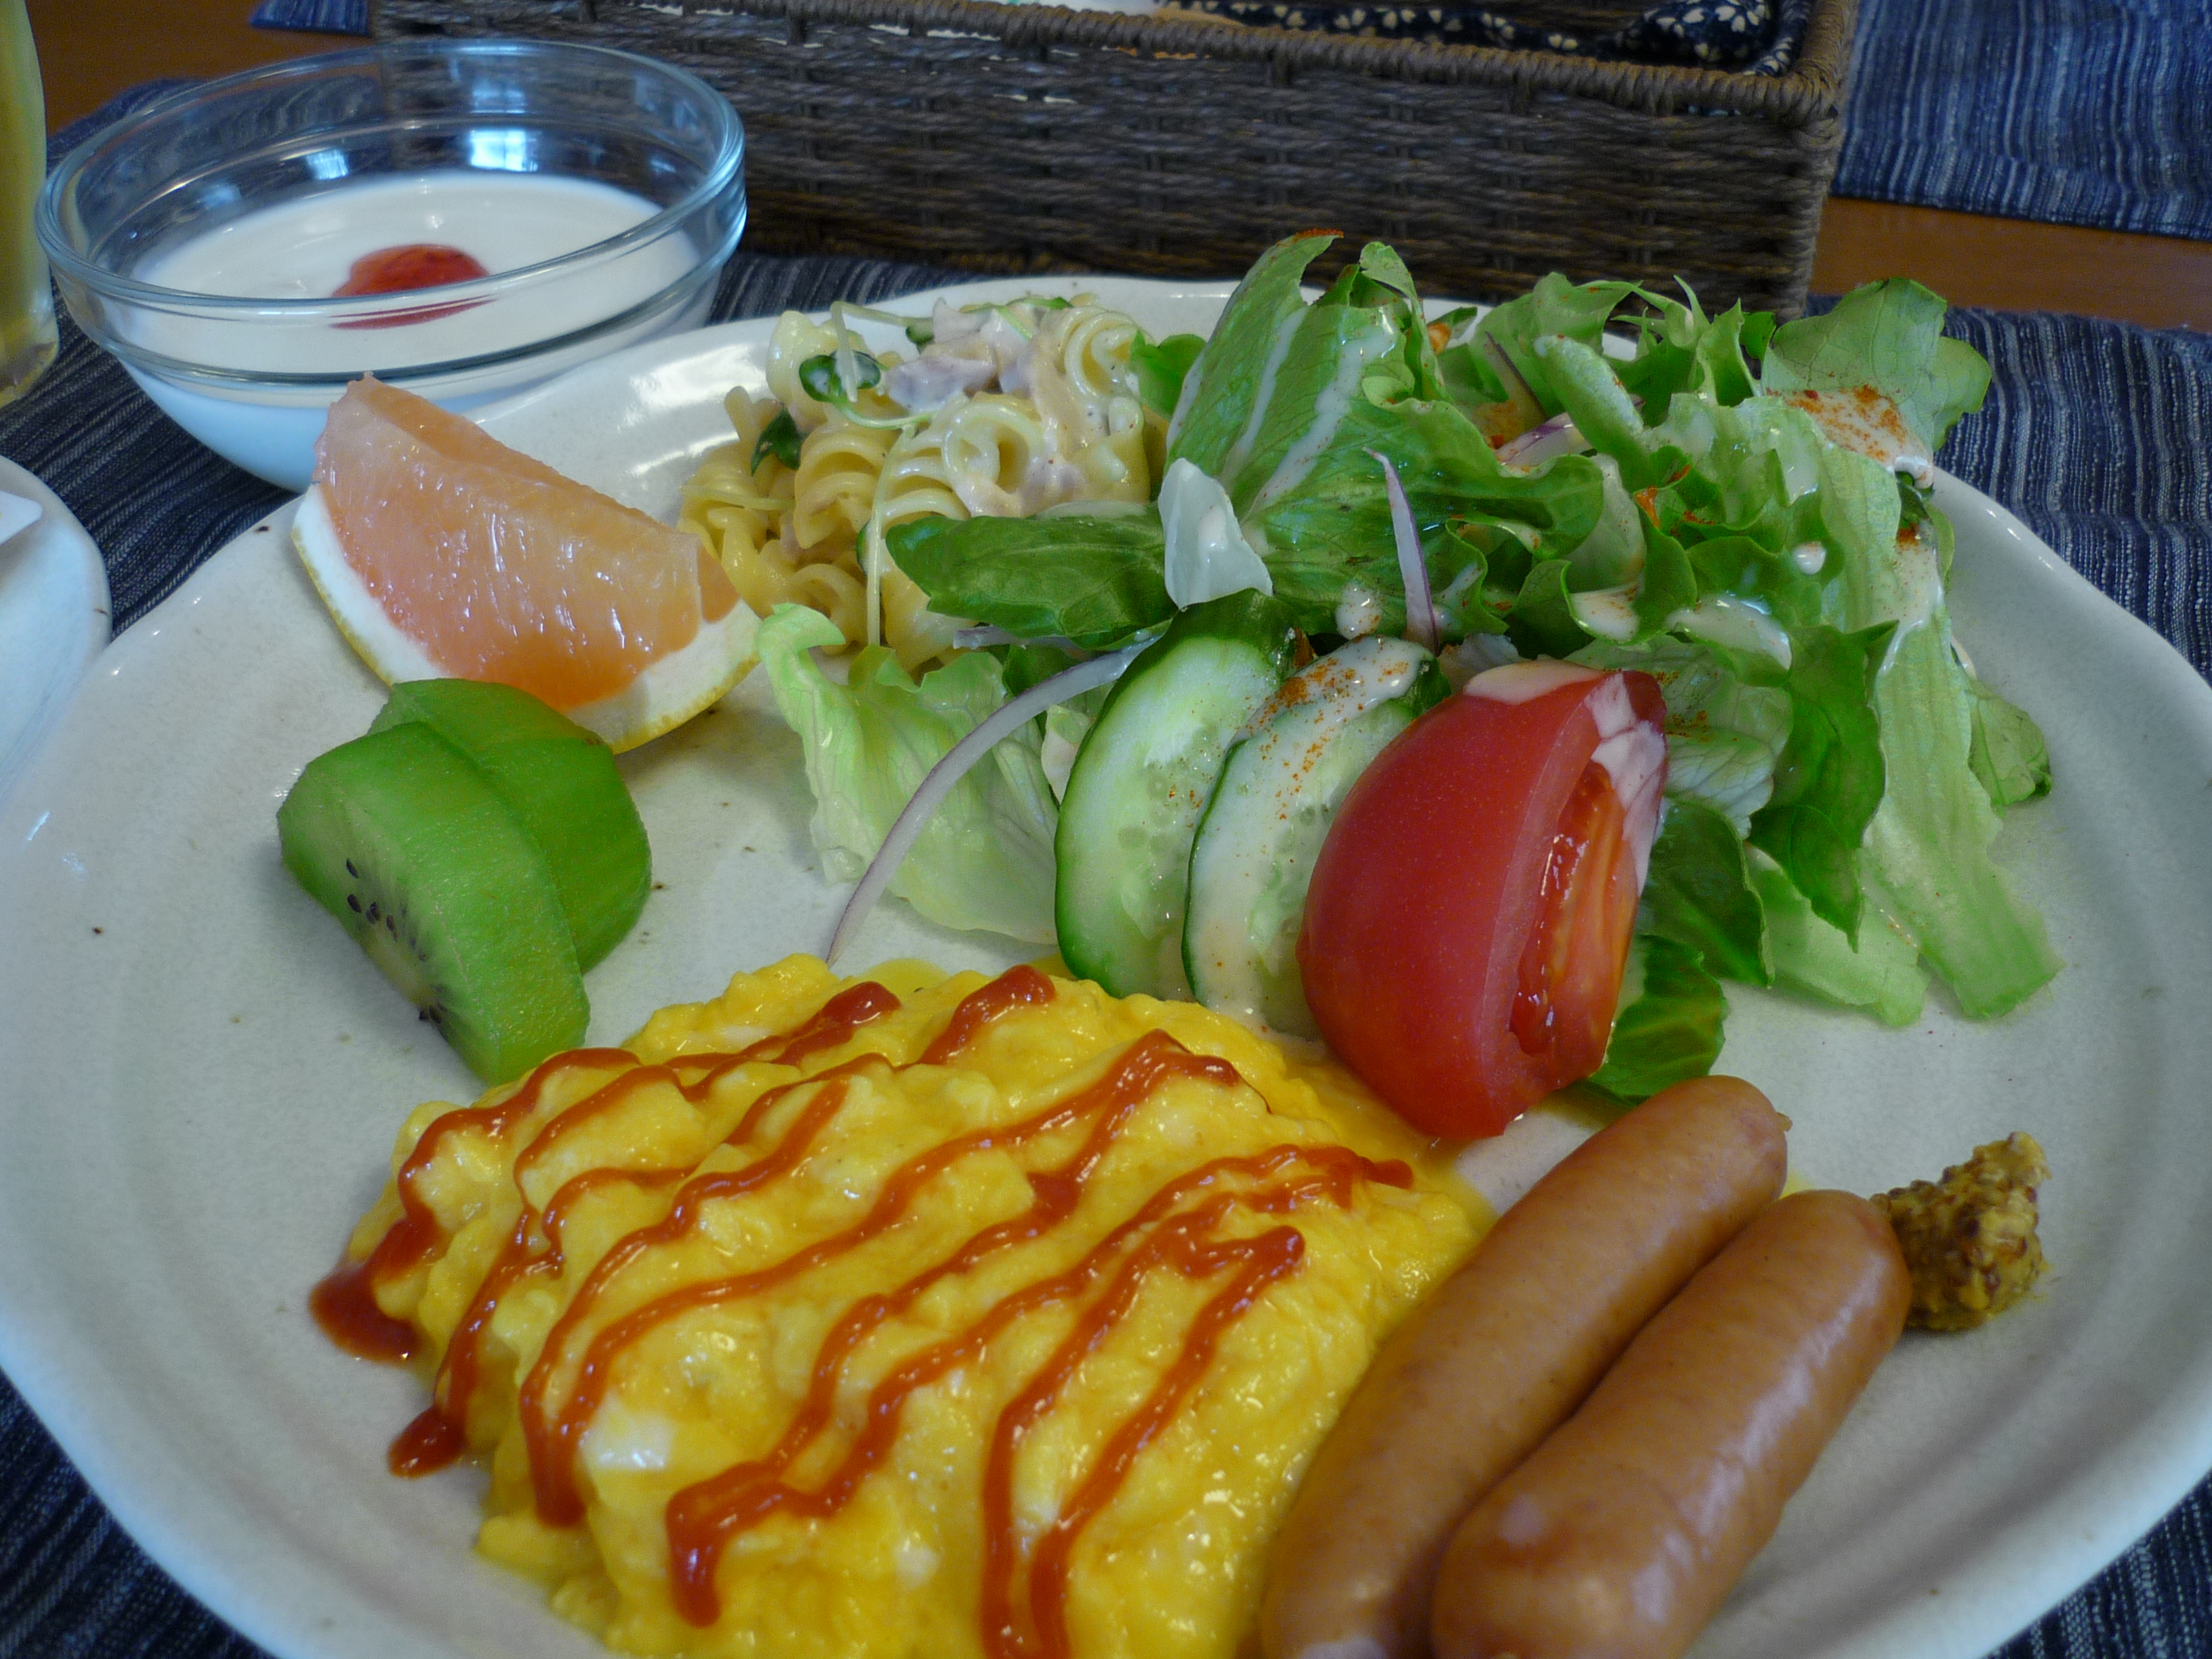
(27,300)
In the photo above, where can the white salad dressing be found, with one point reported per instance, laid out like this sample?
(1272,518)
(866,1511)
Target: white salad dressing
(1358,611)
(1525,682)
(1330,410)
(1919,587)
(1866,423)
(1233,460)
(1606,613)
(1739,623)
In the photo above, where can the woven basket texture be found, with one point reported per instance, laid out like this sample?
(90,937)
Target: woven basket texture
(1027,137)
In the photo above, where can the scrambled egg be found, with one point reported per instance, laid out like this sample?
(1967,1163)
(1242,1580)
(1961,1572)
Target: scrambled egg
(801,1344)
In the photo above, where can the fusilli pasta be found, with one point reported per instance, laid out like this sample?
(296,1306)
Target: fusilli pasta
(1011,408)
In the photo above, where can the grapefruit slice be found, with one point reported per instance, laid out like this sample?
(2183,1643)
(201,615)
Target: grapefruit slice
(443,554)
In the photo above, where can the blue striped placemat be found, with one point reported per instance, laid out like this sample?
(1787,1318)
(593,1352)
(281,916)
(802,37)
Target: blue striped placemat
(315,17)
(2070,111)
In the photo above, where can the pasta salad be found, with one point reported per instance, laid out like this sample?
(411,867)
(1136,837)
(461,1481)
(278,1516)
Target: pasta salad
(1002,411)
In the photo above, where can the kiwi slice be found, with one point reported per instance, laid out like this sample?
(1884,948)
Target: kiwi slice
(405,839)
(561,781)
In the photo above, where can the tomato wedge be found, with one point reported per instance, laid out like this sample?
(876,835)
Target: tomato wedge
(1468,920)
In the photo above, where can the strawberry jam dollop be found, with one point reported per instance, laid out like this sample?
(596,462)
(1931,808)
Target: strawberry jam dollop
(407,266)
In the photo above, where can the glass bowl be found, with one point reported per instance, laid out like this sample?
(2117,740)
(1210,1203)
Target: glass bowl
(204,240)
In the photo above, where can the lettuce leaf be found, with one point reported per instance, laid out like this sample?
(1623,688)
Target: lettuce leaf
(1927,844)
(985,860)
(1880,973)
(1699,894)
(1162,367)
(1829,781)
(1669,1027)
(1223,392)
(2008,755)
(1095,578)
(1331,348)
(1578,312)
(1727,721)
(1680,349)
(1888,335)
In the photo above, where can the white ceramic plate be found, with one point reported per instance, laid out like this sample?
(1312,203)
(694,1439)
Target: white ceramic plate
(204,1077)
(53,619)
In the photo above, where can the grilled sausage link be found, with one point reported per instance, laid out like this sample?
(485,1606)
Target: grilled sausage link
(1499,1356)
(1624,1532)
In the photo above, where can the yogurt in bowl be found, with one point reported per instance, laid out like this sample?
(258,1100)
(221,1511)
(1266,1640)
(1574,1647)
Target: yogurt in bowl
(216,241)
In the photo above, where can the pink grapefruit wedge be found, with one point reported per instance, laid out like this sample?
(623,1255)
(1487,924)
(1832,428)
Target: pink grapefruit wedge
(442,553)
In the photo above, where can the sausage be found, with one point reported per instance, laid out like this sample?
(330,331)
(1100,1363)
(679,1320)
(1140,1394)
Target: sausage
(1625,1530)
(1501,1353)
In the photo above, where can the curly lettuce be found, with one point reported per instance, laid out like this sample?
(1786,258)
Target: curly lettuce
(985,859)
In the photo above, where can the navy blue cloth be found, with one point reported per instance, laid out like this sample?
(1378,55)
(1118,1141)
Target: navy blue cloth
(1756,37)
(2069,112)
(1761,37)
(314,16)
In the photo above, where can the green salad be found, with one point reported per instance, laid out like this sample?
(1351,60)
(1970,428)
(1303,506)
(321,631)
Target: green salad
(1741,510)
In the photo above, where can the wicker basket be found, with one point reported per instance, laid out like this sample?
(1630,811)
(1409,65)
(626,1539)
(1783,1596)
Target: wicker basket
(1027,137)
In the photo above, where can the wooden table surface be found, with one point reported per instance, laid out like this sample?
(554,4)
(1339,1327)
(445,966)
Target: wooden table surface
(90,50)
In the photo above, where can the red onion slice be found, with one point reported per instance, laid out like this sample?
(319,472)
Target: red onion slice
(945,776)
(1555,437)
(1420,609)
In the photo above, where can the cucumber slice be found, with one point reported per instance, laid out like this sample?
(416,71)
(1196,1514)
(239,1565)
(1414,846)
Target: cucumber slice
(1254,851)
(1140,783)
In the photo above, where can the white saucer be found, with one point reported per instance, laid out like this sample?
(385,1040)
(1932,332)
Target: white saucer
(54,620)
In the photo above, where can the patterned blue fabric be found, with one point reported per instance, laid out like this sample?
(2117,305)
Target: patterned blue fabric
(316,16)
(1758,37)
(2098,435)
(2070,111)
(1761,37)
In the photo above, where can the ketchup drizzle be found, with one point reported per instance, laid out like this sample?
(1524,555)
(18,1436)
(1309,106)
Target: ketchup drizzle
(344,1304)
(832,1024)
(1021,986)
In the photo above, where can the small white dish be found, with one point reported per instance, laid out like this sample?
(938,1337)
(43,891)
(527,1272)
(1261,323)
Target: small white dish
(53,618)
(205,1078)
